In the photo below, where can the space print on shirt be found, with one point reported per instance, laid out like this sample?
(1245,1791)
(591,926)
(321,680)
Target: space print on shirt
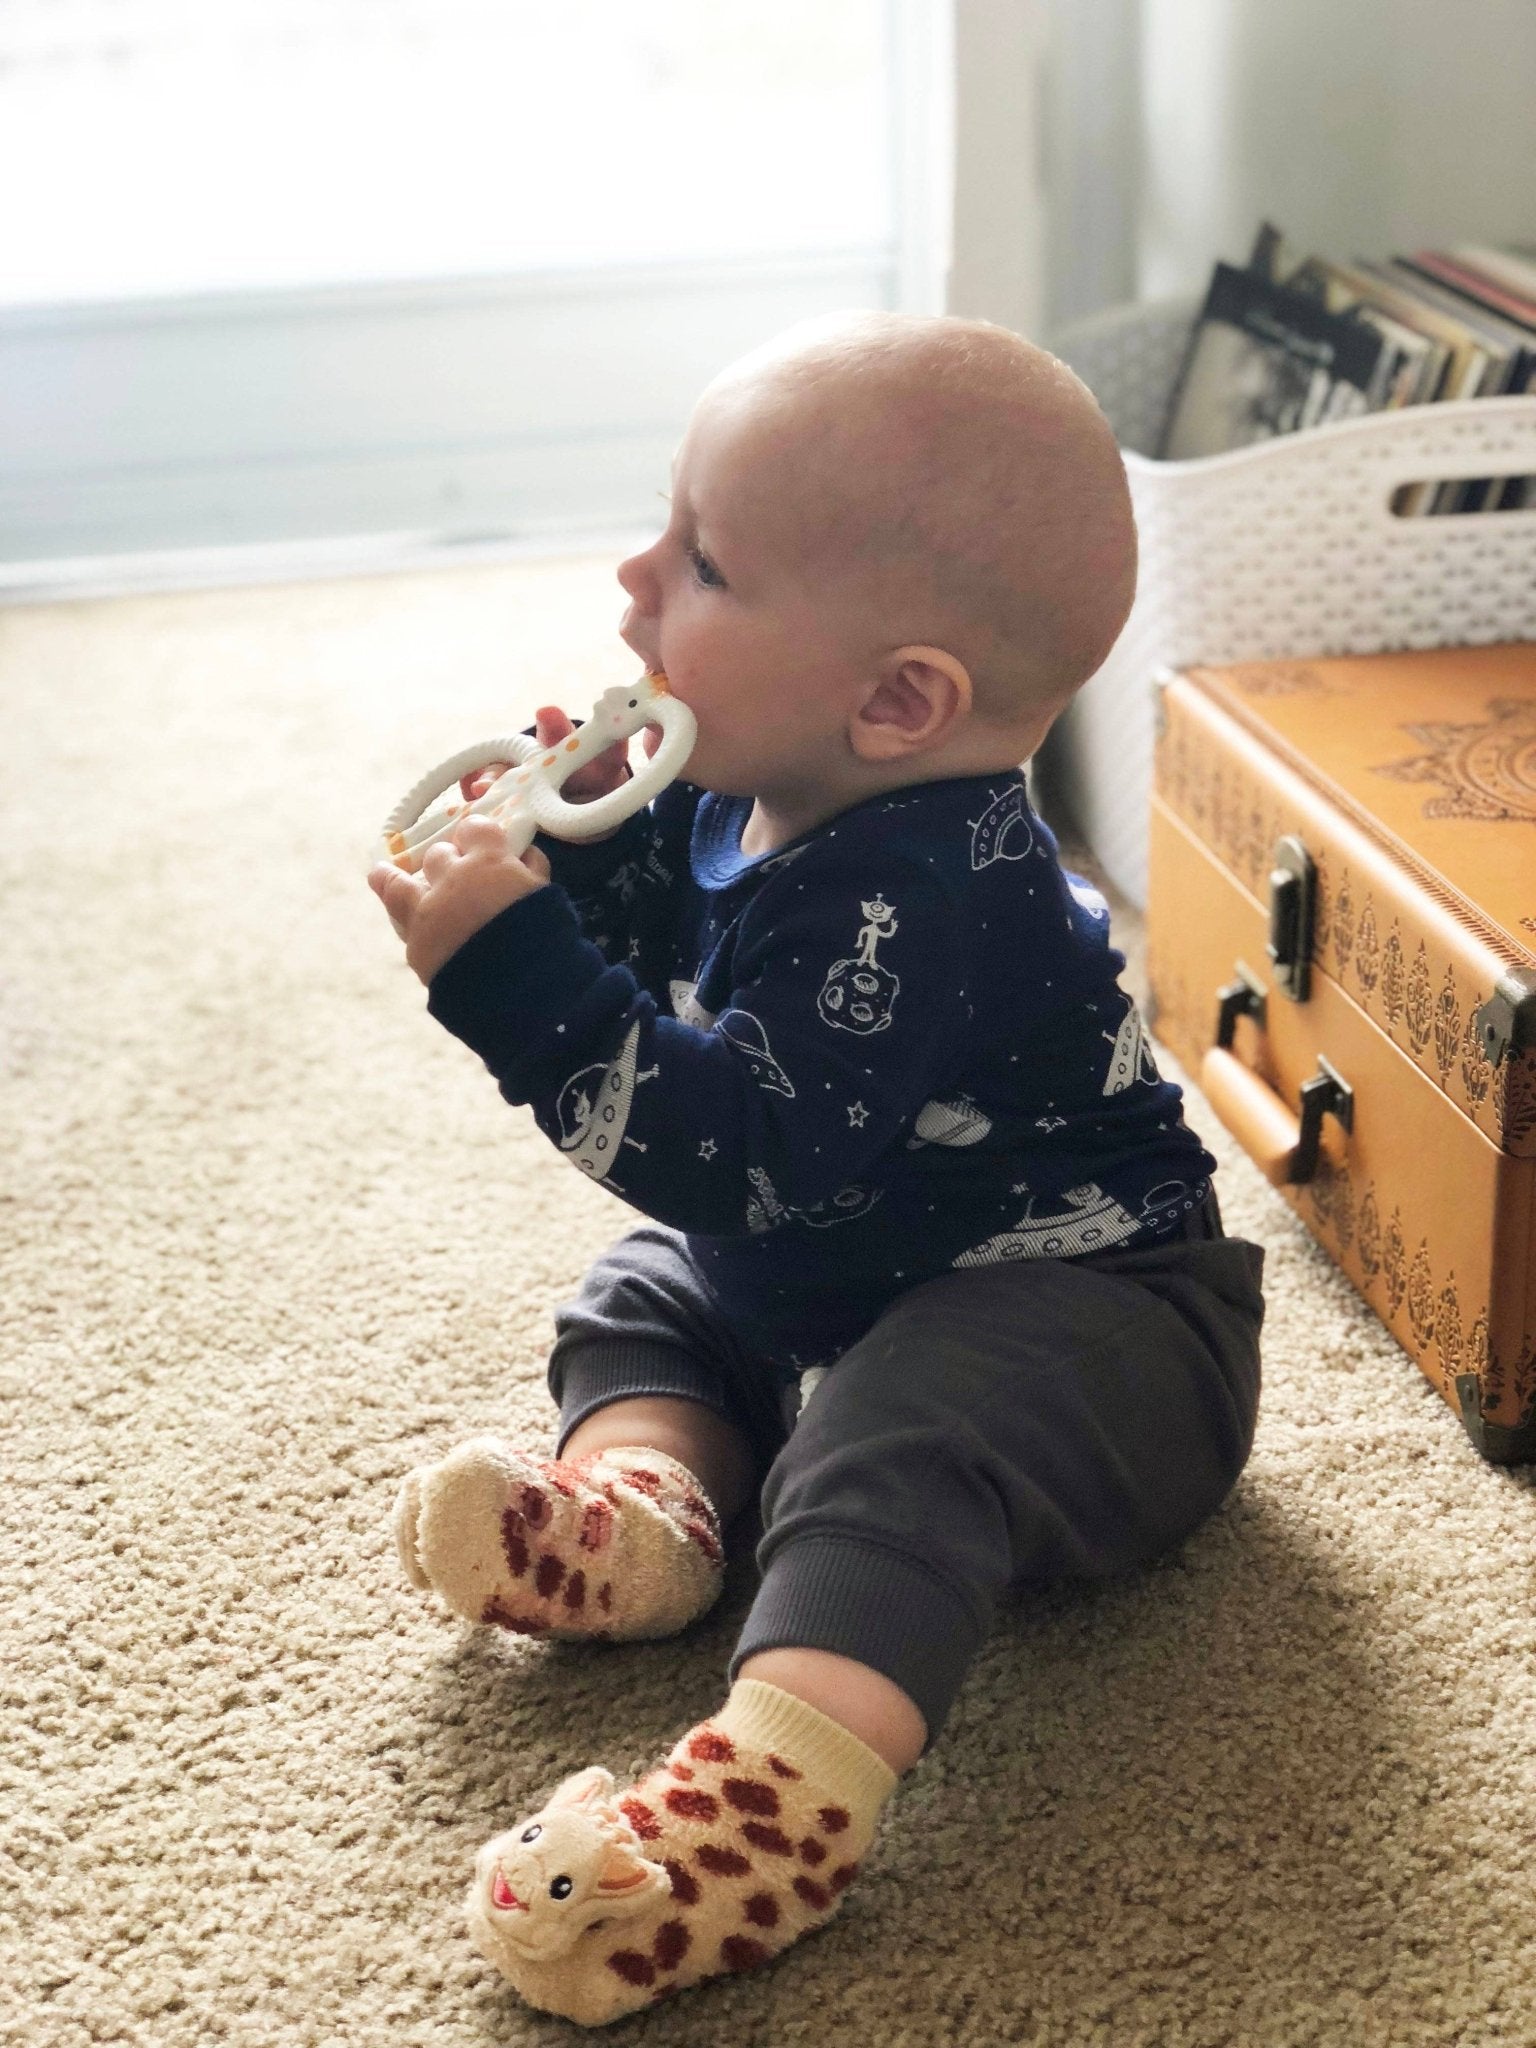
(686,1007)
(859,994)
(593,1109)
(1092,1221)
(1085,894)
(782,860)
(949,1123)
(1130,1058)
(741,1029)
(1003,831)
(764,1209)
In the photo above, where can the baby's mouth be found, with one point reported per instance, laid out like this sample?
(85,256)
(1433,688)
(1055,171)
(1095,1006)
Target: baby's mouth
(503,1898)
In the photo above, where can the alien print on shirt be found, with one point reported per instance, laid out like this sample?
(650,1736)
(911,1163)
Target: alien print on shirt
(859,994)
(764,1209)
(1003,831)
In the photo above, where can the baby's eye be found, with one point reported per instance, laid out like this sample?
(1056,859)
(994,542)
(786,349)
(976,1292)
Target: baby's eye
(561,1888)
(532,1834)
(705,570)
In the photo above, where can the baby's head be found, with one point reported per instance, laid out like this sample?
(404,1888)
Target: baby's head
(898,545)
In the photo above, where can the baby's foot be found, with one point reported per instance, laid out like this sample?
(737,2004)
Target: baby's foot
(744,1839)
(616,1546)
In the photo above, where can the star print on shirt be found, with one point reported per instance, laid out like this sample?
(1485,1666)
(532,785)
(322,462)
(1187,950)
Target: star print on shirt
(708,1149)
(857,1114)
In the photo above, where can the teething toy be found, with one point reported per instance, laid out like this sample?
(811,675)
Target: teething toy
(526,799)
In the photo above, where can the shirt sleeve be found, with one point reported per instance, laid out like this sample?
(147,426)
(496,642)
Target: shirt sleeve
(847,1011)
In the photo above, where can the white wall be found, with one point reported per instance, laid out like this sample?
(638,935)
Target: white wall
(1360,127)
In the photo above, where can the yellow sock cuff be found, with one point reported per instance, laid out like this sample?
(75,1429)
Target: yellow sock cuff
(832,1757)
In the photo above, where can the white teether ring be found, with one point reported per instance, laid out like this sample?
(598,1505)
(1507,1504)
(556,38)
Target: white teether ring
(525,800)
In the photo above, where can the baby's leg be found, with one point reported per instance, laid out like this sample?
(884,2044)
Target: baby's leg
(620,1535)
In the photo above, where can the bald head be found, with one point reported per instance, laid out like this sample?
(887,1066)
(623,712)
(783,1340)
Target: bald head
(959,478)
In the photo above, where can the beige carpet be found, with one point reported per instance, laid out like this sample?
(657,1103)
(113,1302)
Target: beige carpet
(271,1238)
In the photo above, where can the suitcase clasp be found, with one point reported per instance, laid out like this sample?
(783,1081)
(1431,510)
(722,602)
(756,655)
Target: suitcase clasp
(1292,909)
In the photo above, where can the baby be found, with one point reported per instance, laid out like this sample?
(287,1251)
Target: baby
(934,1278)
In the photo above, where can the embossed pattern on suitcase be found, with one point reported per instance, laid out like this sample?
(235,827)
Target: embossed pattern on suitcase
(1341,948)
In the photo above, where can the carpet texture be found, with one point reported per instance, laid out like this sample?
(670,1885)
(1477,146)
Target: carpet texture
(270,1239)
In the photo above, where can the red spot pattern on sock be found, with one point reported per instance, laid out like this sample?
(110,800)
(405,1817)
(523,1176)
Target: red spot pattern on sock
(814,1895)
(843,1876)
(762,1909)
(549,1574)
(774,1840)
(709,1746)
(647,1481)
(576,1591)
(779,1768)
(536,1507)
(740,1952)
(499,1615)
(671,1944)
(689,1804)
(705,1539)
(721,1862)
(560,1477)
(513,1547)
(605,1596)
(640,1818)
(685,1886)
(835,1818)
(696,1504)
(812,1851)
(596,1525)
(683,1771)
(633,1967)
(751,1795)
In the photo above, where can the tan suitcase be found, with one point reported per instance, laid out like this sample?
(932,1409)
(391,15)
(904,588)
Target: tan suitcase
(1341,947)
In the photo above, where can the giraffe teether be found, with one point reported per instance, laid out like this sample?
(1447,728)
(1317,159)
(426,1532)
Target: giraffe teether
(526,799)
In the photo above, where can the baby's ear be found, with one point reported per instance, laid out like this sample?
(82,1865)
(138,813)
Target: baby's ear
(589,1789)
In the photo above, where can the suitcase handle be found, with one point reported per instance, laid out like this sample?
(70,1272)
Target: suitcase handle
(1283,1146)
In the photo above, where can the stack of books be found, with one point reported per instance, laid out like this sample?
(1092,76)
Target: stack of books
(1286,344)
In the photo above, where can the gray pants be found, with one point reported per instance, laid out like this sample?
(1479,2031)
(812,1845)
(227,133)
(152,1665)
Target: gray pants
(994,1428)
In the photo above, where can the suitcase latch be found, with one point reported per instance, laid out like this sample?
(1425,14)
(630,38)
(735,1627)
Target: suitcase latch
(1508,1018)
(1292,901)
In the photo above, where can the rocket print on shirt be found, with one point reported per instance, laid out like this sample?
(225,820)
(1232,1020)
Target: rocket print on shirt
(1003,831)
(859,994)
(593,1109)
(1131,1058)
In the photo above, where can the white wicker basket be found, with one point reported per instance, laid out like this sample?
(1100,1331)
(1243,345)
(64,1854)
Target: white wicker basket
(1284,549)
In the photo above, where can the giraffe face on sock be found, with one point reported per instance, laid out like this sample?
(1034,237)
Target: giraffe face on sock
(553,1877)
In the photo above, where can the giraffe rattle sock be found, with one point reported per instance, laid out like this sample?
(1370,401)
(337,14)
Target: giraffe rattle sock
(616,1546)
(745,1838)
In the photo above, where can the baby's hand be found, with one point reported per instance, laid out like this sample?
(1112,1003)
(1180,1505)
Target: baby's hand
(608,771)
(464,882)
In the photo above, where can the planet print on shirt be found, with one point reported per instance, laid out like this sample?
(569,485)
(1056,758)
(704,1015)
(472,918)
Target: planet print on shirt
(1003,831)
(859,994)
(949,1123)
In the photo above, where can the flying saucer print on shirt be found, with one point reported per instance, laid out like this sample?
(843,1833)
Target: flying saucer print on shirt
(686,1007)
(593,1109)
(741,1029)
(1003,831)
(1092,1221)
(859,994)
(1130,1058)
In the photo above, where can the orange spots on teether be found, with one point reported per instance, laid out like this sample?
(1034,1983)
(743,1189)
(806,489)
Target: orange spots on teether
(572,744)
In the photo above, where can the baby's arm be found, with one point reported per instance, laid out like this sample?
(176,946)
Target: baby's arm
(848,1013)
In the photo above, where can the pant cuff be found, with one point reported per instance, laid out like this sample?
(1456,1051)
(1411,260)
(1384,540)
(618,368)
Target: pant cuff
(879,1607)
(591,1375)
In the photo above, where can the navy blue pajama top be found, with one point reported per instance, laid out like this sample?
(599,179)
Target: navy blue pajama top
(895,1047)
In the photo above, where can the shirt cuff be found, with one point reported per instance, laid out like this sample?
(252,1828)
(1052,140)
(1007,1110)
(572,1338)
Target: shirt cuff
(515,980)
